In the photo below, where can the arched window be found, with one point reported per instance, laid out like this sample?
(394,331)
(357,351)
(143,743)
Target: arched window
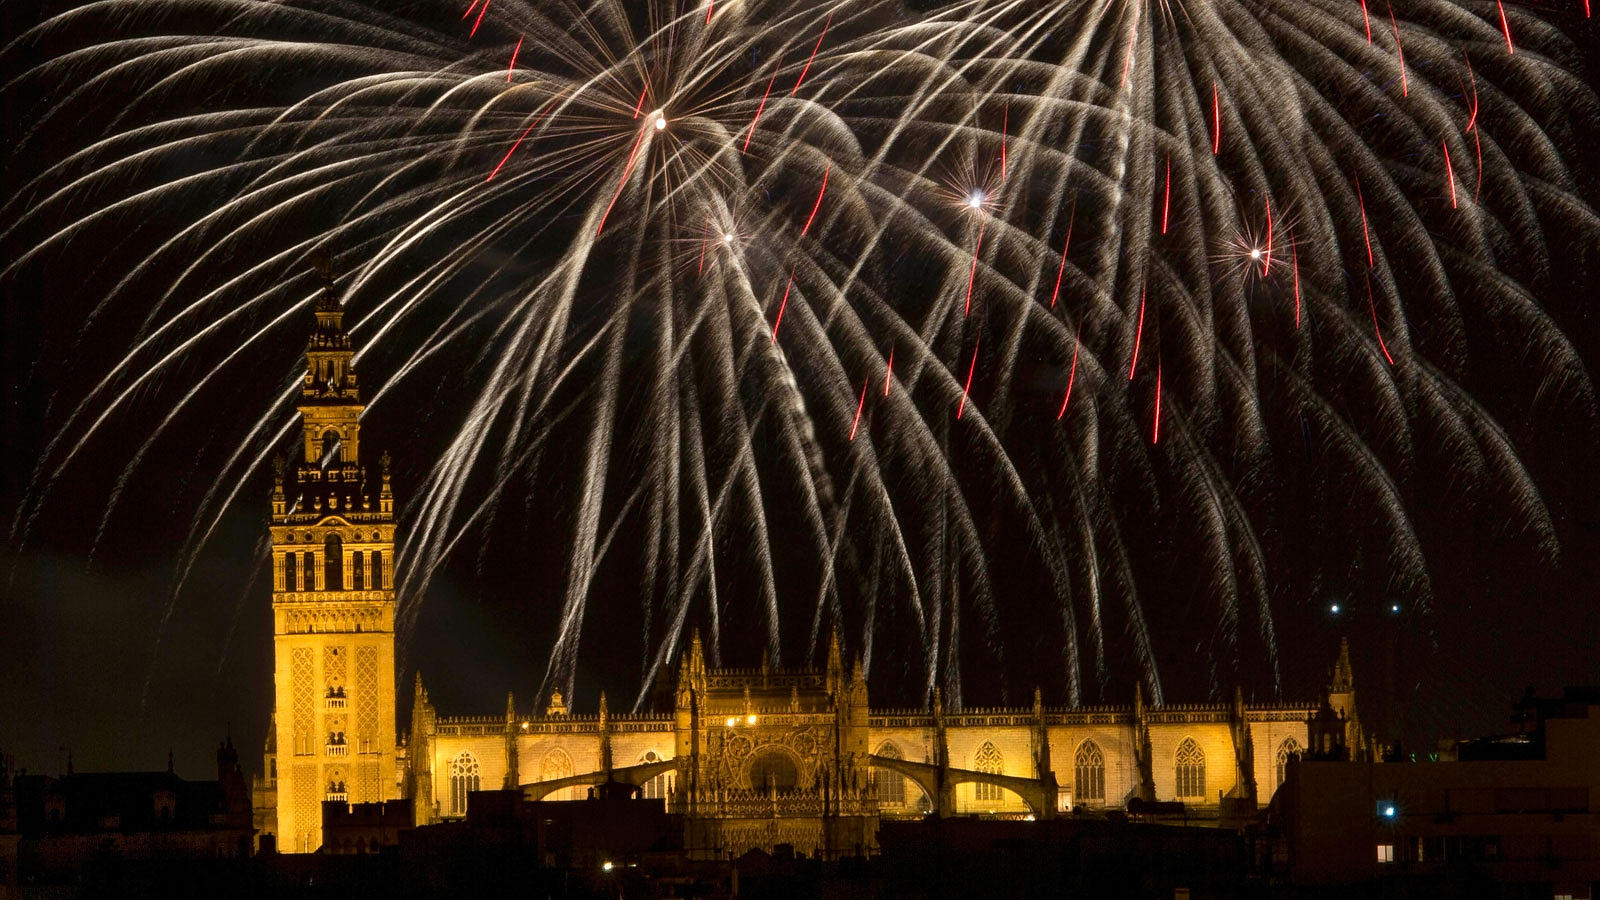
(358,570)
(557,764)
(309,570)
(291,578)
(463,780)
(377,570)
(333,563)
(330,446)
(987,759)
(660,786)
(1191,769)
(888,786)
(1289,749)
(1089,773)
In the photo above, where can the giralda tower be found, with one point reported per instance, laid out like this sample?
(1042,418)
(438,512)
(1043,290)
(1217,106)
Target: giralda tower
(333,728)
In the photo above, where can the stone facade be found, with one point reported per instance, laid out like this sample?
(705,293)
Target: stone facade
(758,757)
(751,757)
(332,735)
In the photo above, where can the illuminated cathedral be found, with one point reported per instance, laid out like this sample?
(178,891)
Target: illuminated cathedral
(751,758)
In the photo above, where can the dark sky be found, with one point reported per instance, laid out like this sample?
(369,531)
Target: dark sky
(95,656)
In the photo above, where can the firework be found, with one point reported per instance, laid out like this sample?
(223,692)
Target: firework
(525,233)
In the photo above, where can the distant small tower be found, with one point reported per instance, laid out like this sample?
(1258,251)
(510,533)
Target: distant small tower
(1335,730)
(333,600)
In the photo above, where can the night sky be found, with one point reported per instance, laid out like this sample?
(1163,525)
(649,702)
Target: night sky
(97,657)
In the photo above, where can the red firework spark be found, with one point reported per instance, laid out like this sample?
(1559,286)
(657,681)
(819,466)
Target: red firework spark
(1005,127)
(474,31)
(1138,336)
(1155,432)
(1365,234)
(514,51)
(1449,173)
(1166,200)
(1072,374)
(518,142)
(1373,306)
(802,78)
(632,154)
(705,235)
(1478,146)
(860,404)
(759,108)
(1266,258)
(782,304)
(971,367)
(888,371)
(1216,121)
(1506,26)
(1405,90)
(817,205)
(1066,245)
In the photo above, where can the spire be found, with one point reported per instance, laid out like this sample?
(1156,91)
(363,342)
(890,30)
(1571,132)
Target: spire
(1344,679)
(330,399)
(834,683)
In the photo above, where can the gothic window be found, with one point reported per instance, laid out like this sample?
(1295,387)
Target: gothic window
(333,564)
(463,780)
(888,786)
(557,764)
(1089,773)
(309,570)
(660,786)
(291,578)
(1289,749)
(377,570)
(358,570)
(988,759)
(330,446)
(1191,769)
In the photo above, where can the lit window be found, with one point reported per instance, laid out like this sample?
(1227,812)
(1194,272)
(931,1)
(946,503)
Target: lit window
(988,759)
(1191,769)
(464,779)
(1288,750)
(1089,772)
(888,786)
(1386,853)
(660,786)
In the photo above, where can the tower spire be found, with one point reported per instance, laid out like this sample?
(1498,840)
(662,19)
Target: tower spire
(333,538)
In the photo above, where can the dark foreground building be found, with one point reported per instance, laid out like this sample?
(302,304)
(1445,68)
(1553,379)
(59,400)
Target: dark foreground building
(1513,815)
(87,833)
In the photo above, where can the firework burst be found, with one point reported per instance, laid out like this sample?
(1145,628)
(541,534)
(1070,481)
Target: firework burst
(643,262)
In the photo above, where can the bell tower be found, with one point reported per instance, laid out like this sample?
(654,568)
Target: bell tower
(333,601)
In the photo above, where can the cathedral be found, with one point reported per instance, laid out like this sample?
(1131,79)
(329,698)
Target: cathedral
(751,758)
